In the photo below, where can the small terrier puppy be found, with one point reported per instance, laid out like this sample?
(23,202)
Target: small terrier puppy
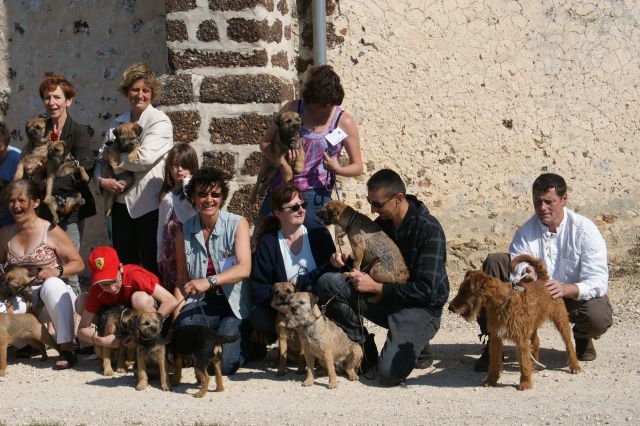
(287,338)
(64,164)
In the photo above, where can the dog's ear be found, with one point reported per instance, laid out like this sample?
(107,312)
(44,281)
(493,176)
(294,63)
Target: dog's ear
(160,317)
(313,299)
(138,130)
(278,120)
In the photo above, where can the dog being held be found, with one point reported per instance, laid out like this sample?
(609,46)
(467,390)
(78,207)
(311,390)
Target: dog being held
(16,328)
(321,338)
(514,315)
(64,164)
(371,247)
(127,140)
(204,346)
(146,327)
(287,338)
(287,137)
(111,321)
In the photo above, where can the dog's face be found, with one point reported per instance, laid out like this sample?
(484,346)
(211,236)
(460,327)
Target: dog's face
(15,282)
(468,301)
(56,152)
(330,213)
(289,124)
(127,136)
(35,130)
(149,325)
(282,293)
(303,308)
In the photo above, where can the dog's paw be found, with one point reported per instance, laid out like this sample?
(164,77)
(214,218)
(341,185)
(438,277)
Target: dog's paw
(489,383)
(107,373)
(200,394)
(525,385)
(307,382)
(332,384)
(575,369)
(141,386)
(281,372)
(352,376)
(121,370)
(165,387)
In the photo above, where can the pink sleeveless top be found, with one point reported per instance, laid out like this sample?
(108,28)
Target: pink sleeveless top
(42,256)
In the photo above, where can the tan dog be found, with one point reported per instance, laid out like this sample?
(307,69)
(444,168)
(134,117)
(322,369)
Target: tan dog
(111,321)
(64,164)
(323,339)
(287,338)
(16,282)
(150,350)
(33,162)
(372,248)
(26,328)
(127,139)
(514,315)
(287,137)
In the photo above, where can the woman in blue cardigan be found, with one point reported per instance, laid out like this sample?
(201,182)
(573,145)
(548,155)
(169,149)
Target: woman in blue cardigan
(286,250)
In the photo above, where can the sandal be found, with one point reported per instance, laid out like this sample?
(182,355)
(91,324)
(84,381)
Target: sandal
(68,360)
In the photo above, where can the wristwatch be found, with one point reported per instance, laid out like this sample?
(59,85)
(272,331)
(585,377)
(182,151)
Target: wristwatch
(213,280)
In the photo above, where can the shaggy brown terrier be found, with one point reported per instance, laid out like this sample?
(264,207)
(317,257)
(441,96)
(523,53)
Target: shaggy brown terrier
(16,282)
(287,137)
(111,321)
(514,315)
(287,338)
(64,164)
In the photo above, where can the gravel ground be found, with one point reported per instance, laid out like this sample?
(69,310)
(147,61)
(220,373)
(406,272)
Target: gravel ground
(448,393)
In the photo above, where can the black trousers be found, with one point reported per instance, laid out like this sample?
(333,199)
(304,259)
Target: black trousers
(409,327)
(135,239)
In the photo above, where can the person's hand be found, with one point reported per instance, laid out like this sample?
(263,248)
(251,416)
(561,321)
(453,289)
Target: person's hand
(112,186)
(330,164)
(363,283)
(32,168)
(292,156)
(555,288)
(197,286)
(45,273)
(338,260)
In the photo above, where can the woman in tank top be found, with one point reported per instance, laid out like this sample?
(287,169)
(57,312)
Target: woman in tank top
(49,254)
(326,129)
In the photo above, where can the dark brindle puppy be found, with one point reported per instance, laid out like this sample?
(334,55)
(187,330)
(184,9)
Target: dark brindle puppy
(371,247)
(64,164)
(287,338)
(150,350)
(287,137)
(23,327)
(204,346)
(127,139)
(110,321)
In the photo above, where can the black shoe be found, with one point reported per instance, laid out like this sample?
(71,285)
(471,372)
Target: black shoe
(425,359)
(369,356)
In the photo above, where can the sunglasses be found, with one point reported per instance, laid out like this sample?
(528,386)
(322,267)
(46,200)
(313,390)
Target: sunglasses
(378,204)
(212,194)
(296,207)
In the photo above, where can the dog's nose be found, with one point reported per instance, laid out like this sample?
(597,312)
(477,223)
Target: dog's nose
(450,308)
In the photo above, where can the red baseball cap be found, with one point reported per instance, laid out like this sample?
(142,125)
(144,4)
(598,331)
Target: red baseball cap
(103,264)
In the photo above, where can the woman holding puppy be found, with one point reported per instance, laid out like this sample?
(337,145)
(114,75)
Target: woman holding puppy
(218,260)
(326,130)
(286,250)
(135,213)
(49,255)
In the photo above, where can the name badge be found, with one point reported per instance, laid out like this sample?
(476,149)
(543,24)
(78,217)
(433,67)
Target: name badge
(226,263)
(336,136)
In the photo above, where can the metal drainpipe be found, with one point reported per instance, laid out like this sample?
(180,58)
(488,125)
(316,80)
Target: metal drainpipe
(319,9)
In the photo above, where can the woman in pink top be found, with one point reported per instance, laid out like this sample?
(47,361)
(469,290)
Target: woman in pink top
(326,129)
(48,253)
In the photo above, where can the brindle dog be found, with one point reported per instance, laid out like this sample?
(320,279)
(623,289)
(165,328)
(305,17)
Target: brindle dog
(64,164)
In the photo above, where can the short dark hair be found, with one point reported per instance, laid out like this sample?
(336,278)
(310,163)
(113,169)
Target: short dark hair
(282,195)
(28,186)
(388,180)
(322,86)
(51,82)
(546,181)
(208,177)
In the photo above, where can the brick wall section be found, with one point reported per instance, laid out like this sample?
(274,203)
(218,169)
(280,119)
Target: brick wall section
(230,71)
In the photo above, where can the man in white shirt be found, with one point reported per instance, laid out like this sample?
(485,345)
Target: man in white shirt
(575,256)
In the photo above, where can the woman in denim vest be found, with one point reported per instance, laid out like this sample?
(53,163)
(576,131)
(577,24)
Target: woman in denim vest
(217,260)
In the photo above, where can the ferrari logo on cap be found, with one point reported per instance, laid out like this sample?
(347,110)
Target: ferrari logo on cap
(100,263)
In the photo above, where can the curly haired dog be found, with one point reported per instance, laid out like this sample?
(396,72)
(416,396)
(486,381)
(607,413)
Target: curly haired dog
(514,315)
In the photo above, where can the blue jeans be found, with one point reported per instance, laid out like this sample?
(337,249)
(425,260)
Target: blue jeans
(211,312)
(315,198)
(74,231)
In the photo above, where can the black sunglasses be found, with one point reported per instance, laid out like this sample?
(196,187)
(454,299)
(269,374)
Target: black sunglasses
(213,194)
(379,204)
(295,207)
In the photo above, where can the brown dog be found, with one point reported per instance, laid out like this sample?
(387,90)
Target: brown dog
(23,327)
(287,137)
(287,338)
(111,321)
(16,282)
(371,247)
(64,164)
(150,350)
(321,338)
(127,139)
(514,315)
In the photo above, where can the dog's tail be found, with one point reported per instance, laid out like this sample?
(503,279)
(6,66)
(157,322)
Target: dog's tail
(537,265)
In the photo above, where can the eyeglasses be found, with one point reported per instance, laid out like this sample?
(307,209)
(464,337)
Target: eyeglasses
(212,194)
(295,207)
(379,204)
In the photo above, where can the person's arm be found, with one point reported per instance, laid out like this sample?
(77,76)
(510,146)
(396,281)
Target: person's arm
(88,334)
(164,213)
(263,269)
(322,248)
(157,141)
(166,301)
(238,272)
(351,146)
(65,250)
